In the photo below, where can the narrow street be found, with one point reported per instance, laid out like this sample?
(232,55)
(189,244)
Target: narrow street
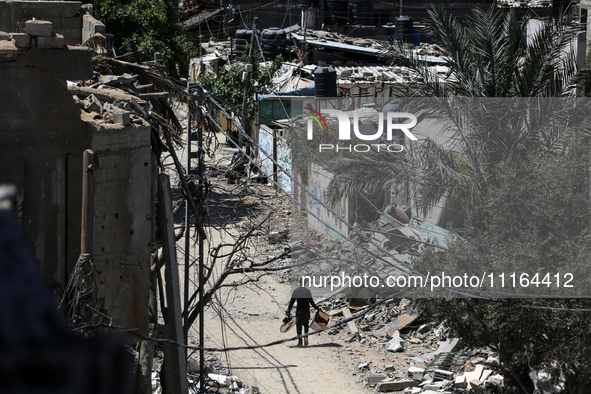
(252,316)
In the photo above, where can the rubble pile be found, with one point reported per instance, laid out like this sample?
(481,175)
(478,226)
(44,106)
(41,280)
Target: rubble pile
(418,357)
(425,49)
(113,98)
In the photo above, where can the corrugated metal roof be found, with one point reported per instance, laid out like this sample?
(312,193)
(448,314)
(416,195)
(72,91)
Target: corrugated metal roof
(340,45)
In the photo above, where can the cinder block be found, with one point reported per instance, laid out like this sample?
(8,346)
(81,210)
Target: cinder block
(4,36)
(64,31)
(441,374)
(56,23)
(122,117)
(22,40)
(89,8)
(93,25)
(92,104)
(54,42)
(38,28)
(72,23)
(8,51)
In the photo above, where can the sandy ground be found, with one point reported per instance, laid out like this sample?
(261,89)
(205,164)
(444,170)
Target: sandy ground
(250,315)
(253,316)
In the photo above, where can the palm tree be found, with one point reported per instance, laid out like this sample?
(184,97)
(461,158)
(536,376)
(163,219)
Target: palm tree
(493,65)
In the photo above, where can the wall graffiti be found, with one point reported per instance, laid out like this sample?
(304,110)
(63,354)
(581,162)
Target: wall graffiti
(333,224)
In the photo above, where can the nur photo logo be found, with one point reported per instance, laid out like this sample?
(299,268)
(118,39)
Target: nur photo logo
(394,121)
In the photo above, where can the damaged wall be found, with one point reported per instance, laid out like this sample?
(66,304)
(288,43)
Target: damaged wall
(123,206)
(42,138)
(66,17)
(41,141)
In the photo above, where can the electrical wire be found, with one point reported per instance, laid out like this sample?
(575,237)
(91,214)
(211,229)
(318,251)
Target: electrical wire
(133,331)
(475,293)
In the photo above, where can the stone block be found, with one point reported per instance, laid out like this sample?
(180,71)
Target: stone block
(54,42)
(72,23)
(388,385)
(38,28)
(8,51)
(395,345)
(65,31)
(122,117)
(416,373)
(375,378)
(441,374)
(92,104)
(460,382)
(4,36)
(22,40)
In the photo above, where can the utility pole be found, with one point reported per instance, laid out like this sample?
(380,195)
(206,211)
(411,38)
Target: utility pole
(201,192)
(187,231)
(201,169)
(246,77)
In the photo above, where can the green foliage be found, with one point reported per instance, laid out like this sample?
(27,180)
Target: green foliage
(492,56)
(536,219)
(519,178)
(153,26)
(229,86)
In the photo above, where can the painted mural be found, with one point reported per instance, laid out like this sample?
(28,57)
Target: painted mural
(283,158)
(323,220)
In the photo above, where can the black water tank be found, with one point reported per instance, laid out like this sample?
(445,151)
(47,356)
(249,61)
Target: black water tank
(242,39)
(404,28)
(325,80)
(274,43)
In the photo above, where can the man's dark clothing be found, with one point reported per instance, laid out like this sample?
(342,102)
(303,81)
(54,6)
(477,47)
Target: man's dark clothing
(304,297)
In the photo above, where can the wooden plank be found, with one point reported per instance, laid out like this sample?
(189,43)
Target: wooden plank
(175,366)
(351,324)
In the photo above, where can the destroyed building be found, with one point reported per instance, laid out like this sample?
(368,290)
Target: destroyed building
(44,131)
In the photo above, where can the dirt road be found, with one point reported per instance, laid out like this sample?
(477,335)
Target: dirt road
(252,316)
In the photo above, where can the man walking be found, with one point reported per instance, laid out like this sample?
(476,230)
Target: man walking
(304,298)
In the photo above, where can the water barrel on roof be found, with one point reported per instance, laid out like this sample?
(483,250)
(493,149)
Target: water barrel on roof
(242,39)
(325,80)
(274,42)
(404,29)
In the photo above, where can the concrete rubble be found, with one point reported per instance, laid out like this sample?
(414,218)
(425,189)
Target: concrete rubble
(113,99)
(443,369)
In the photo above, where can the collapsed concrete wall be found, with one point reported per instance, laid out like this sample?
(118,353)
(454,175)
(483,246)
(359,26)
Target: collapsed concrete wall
(66,17)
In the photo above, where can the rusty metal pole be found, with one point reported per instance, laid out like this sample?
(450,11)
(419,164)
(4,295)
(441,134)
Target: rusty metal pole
(87,203)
